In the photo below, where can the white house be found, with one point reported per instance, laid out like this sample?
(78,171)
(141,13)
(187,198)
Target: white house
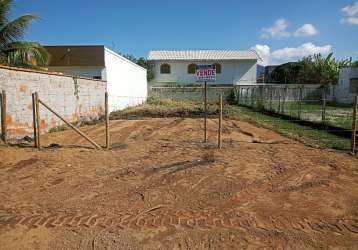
(233,67)
(347,87)
(126,81)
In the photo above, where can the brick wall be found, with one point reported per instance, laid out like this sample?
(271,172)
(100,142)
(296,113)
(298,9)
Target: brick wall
(56,90)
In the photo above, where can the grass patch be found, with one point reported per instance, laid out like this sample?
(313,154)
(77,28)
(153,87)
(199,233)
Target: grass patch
(335,115)
(302,133)
(78,124)
(164,108)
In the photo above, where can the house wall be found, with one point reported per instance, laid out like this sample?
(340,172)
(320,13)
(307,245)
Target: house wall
(233,72)
(126,81)
(341,92)
(58,91)
(84,71)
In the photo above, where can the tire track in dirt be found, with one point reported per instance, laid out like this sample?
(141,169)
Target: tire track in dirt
(159,219)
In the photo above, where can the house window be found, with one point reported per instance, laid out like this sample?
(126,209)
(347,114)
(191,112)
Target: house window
(218,68)
(192,68)
(165,68)
(353,85)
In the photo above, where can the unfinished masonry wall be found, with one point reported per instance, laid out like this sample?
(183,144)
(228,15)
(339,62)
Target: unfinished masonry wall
(73,98)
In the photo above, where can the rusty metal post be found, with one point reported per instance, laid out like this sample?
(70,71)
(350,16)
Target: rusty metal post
(107,120)
(354,126)
(205,111)
(220,120)
(3,116)
(34,120)
(37,102)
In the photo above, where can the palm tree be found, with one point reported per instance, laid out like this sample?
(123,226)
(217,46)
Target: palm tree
(13,51)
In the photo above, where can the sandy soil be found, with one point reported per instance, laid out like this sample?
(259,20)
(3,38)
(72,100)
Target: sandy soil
(160,187)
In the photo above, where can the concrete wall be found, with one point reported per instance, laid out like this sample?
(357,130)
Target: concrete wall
(233,72)
(194,94)
(55,90)
(341,93)
(126,81)
(83,71)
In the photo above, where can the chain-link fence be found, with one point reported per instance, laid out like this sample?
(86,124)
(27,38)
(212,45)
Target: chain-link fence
(302,103)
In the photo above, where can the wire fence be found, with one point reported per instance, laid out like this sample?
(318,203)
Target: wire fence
(306,105)
(301,110)
(301,103)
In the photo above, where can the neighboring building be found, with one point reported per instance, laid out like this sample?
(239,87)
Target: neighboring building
(233,67)
(347,87)
(126,81)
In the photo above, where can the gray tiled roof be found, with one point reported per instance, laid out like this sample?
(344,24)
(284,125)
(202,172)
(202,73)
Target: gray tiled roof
(202,55)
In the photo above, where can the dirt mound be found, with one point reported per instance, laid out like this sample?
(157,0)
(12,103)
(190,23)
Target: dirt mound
(160,187)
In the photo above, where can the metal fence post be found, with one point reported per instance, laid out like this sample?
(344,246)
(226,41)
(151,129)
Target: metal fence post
(252,97)
(284,99)
(279,100)
(300,103)
(3,117)
(324,105)
(238,95)
(354,126)
(271,93)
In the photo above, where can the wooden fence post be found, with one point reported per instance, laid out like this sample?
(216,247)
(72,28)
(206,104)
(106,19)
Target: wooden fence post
(70,125)
(34,119)
(3,116)
(107,120)
(37,101)
(205,111)
(220,120)
(354,126)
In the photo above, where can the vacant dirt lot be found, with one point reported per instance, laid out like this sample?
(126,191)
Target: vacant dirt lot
(160,187)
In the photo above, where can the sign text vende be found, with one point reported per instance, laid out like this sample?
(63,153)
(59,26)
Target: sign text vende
(206,73)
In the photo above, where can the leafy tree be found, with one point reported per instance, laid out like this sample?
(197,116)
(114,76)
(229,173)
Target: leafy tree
(310,70)
(14,52)
(318,69)
(141,62)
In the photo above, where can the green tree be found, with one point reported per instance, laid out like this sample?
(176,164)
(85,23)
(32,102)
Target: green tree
(313,69)
(13,51)
(321,70)
(141,62)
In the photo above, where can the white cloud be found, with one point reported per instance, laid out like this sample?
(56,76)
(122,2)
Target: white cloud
(278,30)
(264,53)
(306,30)
(289,54)
(295,53)
(350,14)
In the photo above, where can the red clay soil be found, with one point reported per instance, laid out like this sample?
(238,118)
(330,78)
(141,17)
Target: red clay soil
(160,187)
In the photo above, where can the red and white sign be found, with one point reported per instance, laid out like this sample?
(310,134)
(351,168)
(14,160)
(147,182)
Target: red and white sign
(206,73)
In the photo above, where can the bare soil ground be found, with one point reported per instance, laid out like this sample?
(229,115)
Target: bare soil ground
(160,187)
